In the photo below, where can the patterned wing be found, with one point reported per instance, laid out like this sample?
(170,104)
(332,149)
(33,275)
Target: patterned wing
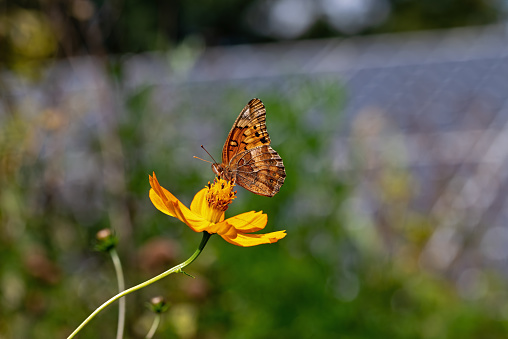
(259,170)
(248,131)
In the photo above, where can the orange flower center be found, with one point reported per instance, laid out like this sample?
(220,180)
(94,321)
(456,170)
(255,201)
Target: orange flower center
(220,194)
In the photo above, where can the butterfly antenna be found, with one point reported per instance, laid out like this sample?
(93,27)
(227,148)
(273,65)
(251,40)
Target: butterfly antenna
(202,159)
(209,154)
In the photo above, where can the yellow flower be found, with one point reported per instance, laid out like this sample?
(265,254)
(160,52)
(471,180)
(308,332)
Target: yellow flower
(207,211)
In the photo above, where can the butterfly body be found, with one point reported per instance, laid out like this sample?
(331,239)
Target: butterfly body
(247,157)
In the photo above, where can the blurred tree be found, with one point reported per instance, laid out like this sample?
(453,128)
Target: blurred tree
(434,14)
(29,28)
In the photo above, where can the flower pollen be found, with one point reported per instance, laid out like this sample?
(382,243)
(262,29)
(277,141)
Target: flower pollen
(220,194)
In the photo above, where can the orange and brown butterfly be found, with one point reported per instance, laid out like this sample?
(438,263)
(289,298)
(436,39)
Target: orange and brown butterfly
(247,158)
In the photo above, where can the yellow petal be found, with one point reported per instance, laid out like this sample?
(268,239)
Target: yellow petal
(193,220)
(223,229)
(198,204)
(247,240)
(248,222)
(159,204)
(167,203)
(161,197)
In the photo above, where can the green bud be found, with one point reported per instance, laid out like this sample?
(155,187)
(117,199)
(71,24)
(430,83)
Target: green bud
(158,304)
(106,240)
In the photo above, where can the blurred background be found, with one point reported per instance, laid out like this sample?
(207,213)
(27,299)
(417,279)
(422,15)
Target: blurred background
(392,120)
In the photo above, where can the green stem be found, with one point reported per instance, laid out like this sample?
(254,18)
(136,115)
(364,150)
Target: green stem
(155,324)
(121,287)
(177,269)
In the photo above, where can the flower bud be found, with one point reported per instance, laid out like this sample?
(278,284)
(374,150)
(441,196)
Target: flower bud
(106,240)
(158,304)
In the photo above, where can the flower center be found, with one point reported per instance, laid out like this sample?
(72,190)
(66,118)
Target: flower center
(220,194)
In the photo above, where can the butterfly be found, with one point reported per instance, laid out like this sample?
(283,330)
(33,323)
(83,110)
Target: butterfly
(247,158)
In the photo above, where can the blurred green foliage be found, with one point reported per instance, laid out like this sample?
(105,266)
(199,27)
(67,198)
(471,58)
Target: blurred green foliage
(73,168)
(328,277)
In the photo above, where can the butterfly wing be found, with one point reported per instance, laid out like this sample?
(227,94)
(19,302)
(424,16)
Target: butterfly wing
(248,131)
(247,156)
(260,170)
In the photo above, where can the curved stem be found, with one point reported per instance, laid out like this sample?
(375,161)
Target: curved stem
(121,287)
(177,269)
(155,324)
